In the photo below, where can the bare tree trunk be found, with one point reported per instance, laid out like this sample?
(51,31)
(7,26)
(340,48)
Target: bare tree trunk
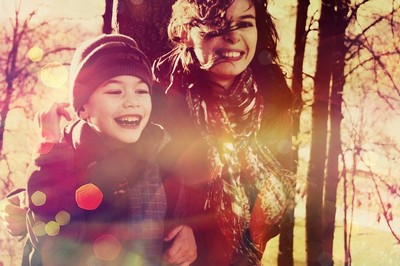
(108,16)
(3,115)
(147,23)
(315,182)
(338,81)
(285,256)
(297,81)
(9,75)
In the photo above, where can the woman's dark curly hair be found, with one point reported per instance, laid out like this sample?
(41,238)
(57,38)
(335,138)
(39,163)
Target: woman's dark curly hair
(210,15)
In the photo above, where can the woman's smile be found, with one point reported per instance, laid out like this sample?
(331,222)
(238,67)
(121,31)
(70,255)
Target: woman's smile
(227,54)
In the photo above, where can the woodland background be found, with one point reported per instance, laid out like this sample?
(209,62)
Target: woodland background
(341,58)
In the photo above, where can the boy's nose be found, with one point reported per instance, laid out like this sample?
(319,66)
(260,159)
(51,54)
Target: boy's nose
(232,36)
(131,100)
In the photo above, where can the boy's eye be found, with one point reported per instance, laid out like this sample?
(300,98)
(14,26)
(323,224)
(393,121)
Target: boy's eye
(114,92)
(142,91)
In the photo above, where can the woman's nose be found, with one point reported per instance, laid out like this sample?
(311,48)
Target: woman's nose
(232,36)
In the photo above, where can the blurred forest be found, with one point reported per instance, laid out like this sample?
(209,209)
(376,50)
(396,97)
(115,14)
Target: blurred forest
(341,58)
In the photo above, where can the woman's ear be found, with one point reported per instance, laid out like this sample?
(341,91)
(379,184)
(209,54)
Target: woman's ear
(186,38)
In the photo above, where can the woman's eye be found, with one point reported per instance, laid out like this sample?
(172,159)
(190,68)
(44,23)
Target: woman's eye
(211,34)
(244,24)
(205,32)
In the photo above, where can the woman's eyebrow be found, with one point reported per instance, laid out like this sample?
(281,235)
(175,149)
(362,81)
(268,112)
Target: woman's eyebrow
(247,17)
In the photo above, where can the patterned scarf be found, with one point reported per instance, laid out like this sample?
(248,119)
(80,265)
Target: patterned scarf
(248,189)
(148,207)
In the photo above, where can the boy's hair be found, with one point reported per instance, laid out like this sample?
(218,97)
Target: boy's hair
(102,58)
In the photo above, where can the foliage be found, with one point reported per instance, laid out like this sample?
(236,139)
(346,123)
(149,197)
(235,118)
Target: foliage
(34,54)
(372,100)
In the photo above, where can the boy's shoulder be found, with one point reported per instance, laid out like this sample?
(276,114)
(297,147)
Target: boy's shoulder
(54,153)
(50,166)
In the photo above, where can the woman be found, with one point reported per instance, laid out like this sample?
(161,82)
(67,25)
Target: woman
(226,107)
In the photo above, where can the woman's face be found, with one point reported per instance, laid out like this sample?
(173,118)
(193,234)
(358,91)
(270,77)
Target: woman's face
(230,53)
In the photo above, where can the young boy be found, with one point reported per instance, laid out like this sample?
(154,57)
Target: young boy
(96,196)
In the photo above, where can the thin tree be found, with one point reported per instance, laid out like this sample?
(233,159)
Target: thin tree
(316,168)
(146,21)
(335,115)
(108,16)
(377,55)
(285,256)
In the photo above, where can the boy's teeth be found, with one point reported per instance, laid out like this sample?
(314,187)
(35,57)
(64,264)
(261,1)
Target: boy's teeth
(129,120)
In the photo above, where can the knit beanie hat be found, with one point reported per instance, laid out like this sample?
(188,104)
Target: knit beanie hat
(102,58)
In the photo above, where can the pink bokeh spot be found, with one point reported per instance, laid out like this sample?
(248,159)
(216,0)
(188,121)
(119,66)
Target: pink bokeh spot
(88,197)
(107,247)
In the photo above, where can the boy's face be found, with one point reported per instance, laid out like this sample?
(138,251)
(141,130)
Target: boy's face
(229,53)
(119,109)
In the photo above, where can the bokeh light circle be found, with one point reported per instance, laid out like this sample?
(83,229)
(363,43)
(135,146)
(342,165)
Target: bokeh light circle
(88,197)
(106,247)
(63,218)
(54,75)
(38,228)
(38,198)
(35,54)
(52,228)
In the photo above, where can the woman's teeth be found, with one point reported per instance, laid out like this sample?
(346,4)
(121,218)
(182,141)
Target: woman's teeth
(230,54)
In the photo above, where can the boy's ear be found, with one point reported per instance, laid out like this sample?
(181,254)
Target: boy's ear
(82,113)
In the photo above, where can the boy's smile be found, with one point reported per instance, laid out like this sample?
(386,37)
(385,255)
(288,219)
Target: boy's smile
(119,109)
(129,121)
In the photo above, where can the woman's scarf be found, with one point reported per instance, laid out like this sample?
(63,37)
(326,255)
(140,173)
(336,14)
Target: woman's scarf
(248,188)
